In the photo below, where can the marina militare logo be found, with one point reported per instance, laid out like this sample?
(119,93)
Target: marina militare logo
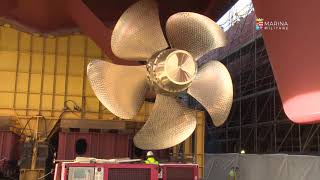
(261,24)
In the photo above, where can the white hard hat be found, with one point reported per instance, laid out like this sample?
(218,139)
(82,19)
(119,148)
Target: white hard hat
(149,153)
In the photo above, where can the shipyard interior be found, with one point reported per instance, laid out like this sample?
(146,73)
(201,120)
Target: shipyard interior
(159,89)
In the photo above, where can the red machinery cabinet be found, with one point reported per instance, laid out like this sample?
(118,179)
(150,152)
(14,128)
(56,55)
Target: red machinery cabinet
(179,171)
(91,171)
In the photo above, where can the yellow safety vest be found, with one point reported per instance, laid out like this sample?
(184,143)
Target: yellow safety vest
(232,175)
(151,160)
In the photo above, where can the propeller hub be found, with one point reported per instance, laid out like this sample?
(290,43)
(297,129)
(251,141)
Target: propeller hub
(180,67)
(172,70)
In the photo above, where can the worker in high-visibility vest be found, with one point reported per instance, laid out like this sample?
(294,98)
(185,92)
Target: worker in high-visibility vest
(233,173)
(150,159)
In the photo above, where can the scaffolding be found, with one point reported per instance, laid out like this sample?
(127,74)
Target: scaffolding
(257,122)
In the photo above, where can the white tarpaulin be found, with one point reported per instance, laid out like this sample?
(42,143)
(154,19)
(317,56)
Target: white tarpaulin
(262,167)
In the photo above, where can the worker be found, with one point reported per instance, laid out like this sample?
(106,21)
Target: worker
(150,159)
(233,173)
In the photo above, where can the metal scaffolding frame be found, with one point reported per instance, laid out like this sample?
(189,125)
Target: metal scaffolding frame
(257,122)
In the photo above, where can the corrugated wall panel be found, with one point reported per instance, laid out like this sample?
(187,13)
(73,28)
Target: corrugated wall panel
(8,145)
(100,145)
(122,146)
(110,138)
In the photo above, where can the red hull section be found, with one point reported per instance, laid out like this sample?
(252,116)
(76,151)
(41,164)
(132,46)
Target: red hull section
(294,55)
